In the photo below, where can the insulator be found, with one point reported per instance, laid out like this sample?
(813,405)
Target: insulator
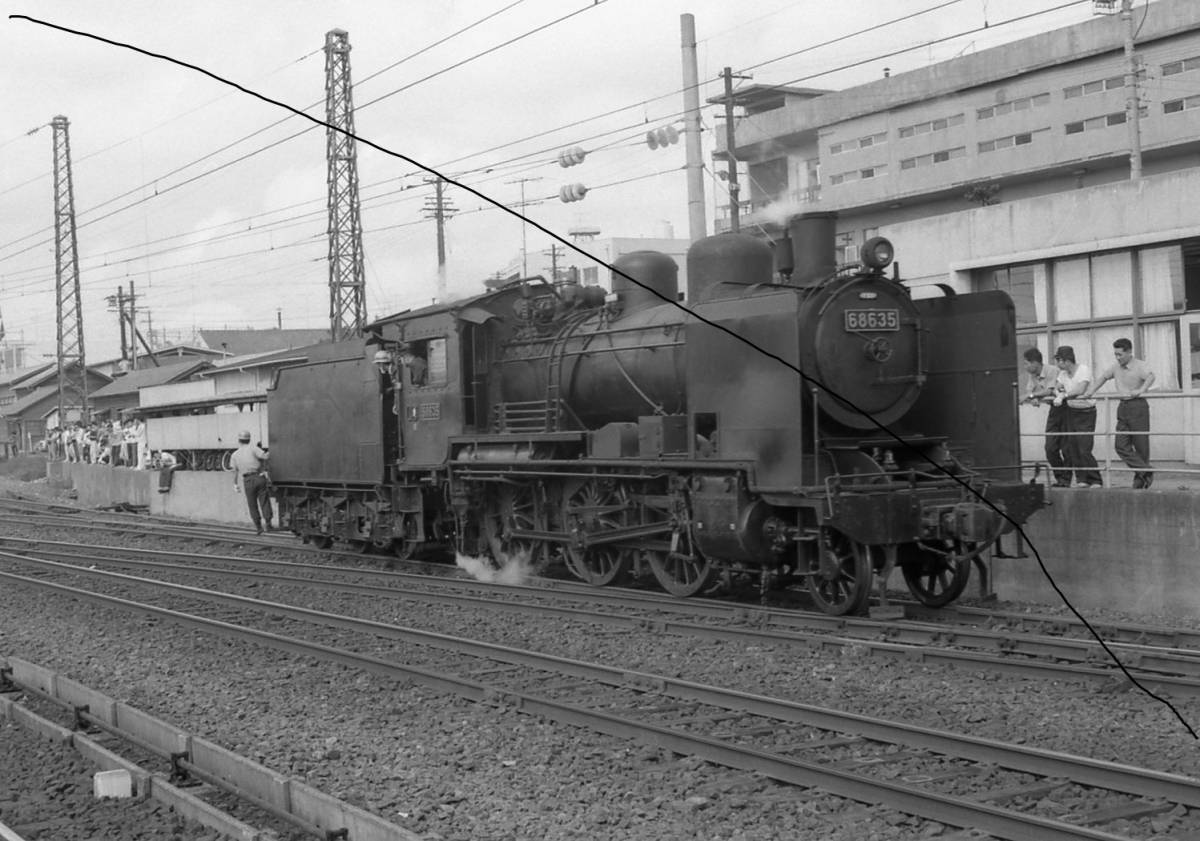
(572,192)
(571,157)
(663,136)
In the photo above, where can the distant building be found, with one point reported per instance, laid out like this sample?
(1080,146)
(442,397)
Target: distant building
(1010,168)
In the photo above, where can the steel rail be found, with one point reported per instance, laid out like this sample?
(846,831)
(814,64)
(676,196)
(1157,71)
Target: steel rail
(916,642)
(1108,775)
(1180,674)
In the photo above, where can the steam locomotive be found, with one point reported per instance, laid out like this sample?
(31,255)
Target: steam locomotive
(796,422)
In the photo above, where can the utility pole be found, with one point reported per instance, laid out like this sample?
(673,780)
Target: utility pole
(438,208)
(524,252)
(730,151)
(346,286)
(1132,107)
(553,254)
(697,223)
(118,301)
(72,364)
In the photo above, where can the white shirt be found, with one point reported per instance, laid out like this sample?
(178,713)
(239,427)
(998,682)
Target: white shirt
(1077,383)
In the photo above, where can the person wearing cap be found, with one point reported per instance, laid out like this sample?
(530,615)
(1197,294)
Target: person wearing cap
(249,463)
(1073,382)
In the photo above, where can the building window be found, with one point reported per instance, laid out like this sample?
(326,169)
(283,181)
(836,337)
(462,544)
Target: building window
(940,124)
(1022,139)
(1161,279)
(1182,66)
(1025,284)
(1174,106)
(1023,104)
(938,157)
(1092,123)
(1088,301)
(861,143)
(1096,86)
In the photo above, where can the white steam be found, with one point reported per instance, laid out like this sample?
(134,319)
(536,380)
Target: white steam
(513,570)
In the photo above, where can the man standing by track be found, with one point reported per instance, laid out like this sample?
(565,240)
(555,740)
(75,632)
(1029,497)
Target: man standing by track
(250,474)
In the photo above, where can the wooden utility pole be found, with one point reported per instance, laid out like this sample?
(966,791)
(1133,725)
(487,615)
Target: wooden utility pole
(730,152)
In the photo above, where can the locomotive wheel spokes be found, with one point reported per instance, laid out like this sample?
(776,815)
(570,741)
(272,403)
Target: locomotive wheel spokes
(599,565)
(840,574)
(515,508)
(936,577)
(599,505)
(682,575)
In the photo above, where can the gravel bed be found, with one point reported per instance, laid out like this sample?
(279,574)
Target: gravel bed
(449,769)
(46,793)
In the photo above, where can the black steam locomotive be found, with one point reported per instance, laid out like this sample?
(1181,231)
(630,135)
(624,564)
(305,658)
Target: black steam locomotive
(623,433)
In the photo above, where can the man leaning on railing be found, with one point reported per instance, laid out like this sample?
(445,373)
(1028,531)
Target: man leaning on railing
(1133,378)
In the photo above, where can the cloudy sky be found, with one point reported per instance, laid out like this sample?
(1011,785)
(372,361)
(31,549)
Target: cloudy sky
(212,203)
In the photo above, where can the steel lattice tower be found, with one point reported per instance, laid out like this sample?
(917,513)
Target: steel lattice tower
(346,289)
(72,366)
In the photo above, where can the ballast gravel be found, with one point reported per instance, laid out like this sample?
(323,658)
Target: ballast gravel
(449,769)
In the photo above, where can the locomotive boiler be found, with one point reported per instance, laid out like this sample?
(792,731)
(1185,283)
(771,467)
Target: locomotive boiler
(791,420)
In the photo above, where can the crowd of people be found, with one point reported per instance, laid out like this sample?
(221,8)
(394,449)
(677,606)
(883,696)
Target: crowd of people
(1067,388)
(119,443)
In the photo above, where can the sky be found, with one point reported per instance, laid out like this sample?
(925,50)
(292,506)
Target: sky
(211,203)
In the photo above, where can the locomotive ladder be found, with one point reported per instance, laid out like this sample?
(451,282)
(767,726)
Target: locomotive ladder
(557,351)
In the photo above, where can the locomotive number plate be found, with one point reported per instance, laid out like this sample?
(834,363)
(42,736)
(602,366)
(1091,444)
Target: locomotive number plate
(873,319)
(430,411)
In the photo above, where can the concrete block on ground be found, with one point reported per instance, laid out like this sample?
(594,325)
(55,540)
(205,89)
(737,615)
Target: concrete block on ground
(116,783)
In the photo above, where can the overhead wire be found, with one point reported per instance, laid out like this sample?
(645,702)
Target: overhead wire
(698,317)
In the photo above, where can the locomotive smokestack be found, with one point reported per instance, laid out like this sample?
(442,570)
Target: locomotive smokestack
(814,252)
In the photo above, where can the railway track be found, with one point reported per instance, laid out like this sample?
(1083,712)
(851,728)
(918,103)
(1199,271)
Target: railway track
(1020,653)
(1008,791)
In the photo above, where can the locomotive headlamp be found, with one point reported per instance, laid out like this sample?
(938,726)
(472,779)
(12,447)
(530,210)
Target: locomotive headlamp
(877,253)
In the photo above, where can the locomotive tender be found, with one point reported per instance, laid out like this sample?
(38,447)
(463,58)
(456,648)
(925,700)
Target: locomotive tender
(622,432)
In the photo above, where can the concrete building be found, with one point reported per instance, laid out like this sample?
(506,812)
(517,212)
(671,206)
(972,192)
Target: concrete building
(1011,168)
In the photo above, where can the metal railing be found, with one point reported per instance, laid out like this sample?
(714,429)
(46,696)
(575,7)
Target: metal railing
(1173,472)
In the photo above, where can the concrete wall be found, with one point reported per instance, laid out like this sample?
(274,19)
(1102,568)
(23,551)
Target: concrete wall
(195,495)
(1117,548)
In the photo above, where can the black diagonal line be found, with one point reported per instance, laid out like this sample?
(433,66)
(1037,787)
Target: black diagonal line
(719,327)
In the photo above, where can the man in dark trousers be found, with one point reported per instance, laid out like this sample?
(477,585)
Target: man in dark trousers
(1040,390)
(1133,378)
(250,475)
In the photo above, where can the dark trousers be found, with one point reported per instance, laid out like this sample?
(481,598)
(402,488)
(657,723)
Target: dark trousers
(165,475)
(1057,454)
(1132,442)
(1079,446)
(258,498)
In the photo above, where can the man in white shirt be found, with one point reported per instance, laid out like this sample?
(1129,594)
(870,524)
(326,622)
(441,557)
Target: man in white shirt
(250,475)
(1073,382)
